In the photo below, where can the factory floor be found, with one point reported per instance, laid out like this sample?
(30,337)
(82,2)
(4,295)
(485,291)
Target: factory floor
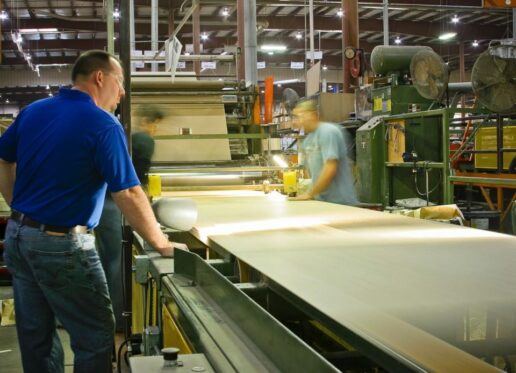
(10,359)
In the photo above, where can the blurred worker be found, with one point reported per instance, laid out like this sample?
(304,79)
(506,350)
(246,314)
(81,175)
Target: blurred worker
(109,233)
(56,161)
(324,151)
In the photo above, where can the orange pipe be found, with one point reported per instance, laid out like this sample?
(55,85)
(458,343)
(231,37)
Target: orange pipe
(269,98)
(257,108)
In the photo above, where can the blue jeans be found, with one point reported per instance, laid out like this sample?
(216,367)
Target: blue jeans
(59,277)
(108,238)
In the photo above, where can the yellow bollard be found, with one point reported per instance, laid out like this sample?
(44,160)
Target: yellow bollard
(154,186)
(290,182)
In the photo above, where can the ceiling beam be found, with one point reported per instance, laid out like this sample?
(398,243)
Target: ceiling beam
(291,23)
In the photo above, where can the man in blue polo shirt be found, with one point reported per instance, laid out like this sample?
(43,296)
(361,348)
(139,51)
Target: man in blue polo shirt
(56,161)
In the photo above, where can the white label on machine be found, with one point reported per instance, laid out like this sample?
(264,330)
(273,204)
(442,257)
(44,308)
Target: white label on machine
(151,54)
(260,65)
(209,65)
(297,65)
(181,65)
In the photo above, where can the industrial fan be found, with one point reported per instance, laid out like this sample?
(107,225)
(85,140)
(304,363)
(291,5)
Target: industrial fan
(290,99)
(494,77)
(429,74)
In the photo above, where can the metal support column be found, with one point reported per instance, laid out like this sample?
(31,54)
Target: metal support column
(196,25)
(251,69)
(311,26)
(462,74)
(514,23)
(240,40)
(131,31)
(125,57)
(349,38)
(154,30)
(110,27)
(385,22)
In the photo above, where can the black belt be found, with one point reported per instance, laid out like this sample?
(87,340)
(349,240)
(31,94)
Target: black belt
(25,220)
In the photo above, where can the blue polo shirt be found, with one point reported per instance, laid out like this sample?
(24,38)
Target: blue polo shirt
(67,152)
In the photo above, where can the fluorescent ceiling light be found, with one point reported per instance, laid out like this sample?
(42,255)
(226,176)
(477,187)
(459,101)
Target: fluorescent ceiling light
(3,15)
(325,67)
(37,30)
(447,36)
(204,36)
(287,81)
(225,12)
(475,44)
(274,48)
(397,40)
(299,36)
(116,14)
(340,12)
(271,53)
(455,19)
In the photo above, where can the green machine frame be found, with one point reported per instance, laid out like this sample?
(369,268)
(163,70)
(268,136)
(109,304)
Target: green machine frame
(381,181)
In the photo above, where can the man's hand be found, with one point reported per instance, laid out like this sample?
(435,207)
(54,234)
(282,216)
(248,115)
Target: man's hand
(169,248)
(302,197)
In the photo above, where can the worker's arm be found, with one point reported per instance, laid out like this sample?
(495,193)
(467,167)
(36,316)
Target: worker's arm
(136,208)
(324,180)
(7,177)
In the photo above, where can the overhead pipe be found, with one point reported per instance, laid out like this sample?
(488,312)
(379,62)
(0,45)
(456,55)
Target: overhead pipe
(311,26)
(110,27)
(154,31)
(251,42)
(385,22)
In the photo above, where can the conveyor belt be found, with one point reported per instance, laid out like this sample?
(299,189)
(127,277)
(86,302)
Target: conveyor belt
(402,284)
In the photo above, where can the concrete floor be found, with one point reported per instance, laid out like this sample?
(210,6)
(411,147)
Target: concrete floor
(10,359)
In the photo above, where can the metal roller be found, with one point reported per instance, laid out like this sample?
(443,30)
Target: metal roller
(176,213)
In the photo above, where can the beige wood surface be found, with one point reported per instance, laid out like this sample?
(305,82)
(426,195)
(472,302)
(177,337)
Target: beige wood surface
(401,283)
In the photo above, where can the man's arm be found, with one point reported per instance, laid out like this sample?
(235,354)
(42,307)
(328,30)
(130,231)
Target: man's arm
(7,177)
(136,208)
(324,180)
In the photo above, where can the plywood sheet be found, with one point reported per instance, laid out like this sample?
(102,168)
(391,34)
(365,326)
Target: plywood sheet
(205,116)
(403,284)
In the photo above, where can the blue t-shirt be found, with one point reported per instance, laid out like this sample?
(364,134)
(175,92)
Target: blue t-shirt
(67,152)
(327,142)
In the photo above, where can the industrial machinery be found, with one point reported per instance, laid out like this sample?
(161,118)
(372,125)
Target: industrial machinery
(417,140)
(396,157)
(275,285)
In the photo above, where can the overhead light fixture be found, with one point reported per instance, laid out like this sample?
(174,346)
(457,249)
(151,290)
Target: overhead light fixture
(340,12)
(287,81)
(271,53)
(225,12)
(447,35)
(3,15)
(38,30)
(187,53)
(116,14)
(330,87)
(455,19)
(50,94)
(48,86)
(397,40)
(299,36)
(279,85)
(204,36)
(28,57)
(274,48)
(7,101)
(325,67)
(475,44)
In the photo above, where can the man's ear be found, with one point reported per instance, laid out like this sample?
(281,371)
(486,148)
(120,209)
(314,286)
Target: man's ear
(99,77)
